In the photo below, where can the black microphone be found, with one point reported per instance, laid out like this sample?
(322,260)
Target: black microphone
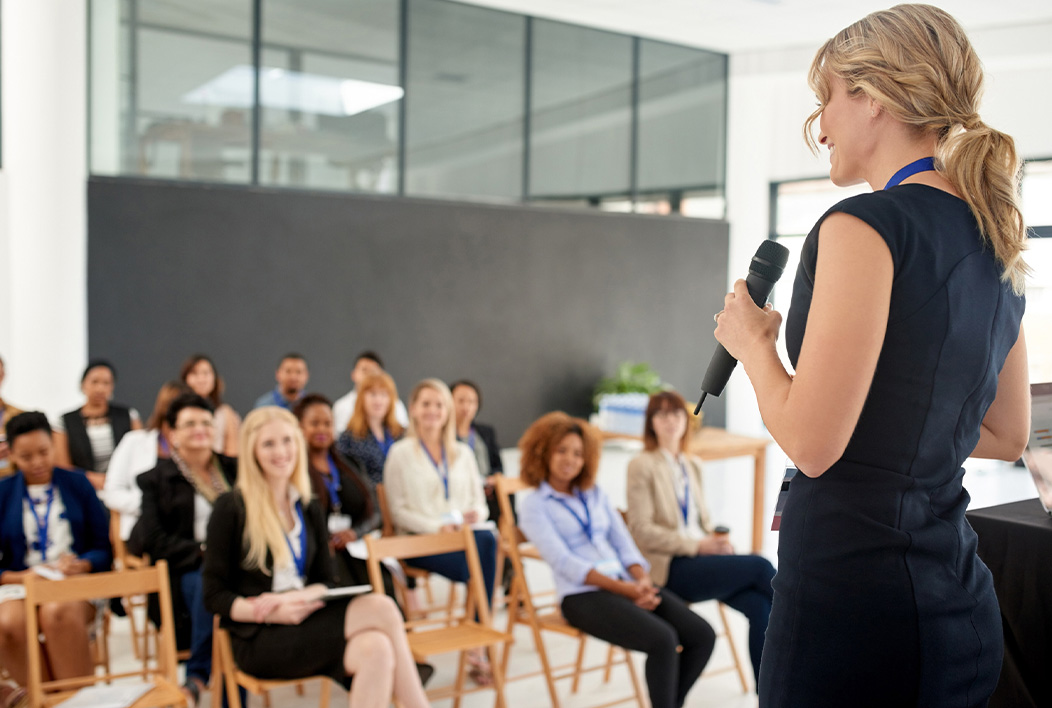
(764,271)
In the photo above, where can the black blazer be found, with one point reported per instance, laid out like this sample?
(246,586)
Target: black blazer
(357,495)
(224,576)
(80,453)
(166,526)
(489,436)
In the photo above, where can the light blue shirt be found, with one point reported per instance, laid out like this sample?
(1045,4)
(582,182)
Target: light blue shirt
(274,398)
(560,537)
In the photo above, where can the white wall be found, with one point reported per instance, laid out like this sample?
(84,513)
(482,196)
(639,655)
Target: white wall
(43,328)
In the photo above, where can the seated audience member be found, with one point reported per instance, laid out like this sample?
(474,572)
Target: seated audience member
(7,412)
(48,517)
(433,485)
(601,579)
(86,437)
(178,496)
(345,495)
(481,438)
(138,452)
(670,522)
(199,373)
(367,364)
(266,571)
(292,377)
(373,427)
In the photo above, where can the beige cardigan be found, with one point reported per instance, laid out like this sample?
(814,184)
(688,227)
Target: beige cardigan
(415,494)
(654,511)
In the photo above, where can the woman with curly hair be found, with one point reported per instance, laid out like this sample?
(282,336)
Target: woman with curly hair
(599,572)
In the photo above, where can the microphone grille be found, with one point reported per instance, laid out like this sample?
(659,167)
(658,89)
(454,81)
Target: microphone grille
(774,253)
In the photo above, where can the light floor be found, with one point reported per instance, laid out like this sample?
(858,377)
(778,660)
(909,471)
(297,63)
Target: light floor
(989,483)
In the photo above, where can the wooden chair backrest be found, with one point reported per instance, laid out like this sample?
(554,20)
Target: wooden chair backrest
(387,529)
(506,486)
(120,583)
(415,546)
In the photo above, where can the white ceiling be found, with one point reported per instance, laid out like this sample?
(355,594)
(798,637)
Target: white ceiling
(748,25)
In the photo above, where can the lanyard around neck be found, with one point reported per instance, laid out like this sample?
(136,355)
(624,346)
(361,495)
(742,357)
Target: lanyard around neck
(925,164)
(684,501)
(586,522)
(443,471)
(42,524)
(332,483)
(301,559)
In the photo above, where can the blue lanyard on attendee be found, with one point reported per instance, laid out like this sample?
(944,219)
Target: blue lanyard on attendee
(388,441)
(301,559)
(684,503)
(925,164)
(332,483)
(42,524)
(471,439)
(165,448)
(443,471)
(586,522)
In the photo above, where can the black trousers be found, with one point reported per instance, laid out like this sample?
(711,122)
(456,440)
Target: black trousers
(657,633)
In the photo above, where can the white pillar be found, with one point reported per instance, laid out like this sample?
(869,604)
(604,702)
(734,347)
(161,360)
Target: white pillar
(43,234)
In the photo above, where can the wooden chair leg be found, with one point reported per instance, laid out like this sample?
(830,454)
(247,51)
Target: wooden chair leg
(634,676)
(326,693)
(734,647)
(462,665)
(498,677)
(578,665)
(609,663)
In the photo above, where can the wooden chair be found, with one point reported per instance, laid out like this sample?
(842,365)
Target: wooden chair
(123,559)
(736,663)
(523,610)
(422,577)
(467,632)
(226,673)
(164,690)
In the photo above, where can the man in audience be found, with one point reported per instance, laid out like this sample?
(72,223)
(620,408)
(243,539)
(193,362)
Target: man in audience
(367,364)
(292,377)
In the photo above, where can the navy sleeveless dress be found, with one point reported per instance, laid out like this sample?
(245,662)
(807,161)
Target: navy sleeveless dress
(880,599)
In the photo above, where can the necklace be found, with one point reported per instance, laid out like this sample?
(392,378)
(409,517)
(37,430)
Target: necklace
(212,486)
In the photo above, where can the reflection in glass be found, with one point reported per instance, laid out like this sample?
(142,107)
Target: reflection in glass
(464,101)
(151,113)
(581,112)
(682,118)
(330,95)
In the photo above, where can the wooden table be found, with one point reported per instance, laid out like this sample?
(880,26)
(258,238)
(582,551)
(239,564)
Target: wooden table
(717,444)
(710,443)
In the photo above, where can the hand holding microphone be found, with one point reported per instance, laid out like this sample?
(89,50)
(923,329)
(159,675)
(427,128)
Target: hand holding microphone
(764,271)
(741,322)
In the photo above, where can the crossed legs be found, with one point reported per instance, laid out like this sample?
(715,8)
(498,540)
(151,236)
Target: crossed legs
(65,629)
(377,648)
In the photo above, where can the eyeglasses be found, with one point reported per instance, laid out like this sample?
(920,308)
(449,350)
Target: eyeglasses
(195,424)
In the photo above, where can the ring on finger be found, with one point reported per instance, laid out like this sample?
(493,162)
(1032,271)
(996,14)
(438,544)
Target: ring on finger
(716,317)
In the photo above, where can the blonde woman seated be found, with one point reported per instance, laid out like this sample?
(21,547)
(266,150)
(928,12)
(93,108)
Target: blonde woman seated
(267,568)
(433,484)
(670,524)
(601,580)
(49,517)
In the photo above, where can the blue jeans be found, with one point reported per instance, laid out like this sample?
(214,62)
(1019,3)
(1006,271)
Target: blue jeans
(455,565)
(741,582)
(199,665)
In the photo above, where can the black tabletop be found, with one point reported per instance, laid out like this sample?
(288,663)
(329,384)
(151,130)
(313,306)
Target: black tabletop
(1015,541)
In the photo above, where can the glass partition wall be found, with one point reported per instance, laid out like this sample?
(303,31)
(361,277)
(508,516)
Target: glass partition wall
(424,98)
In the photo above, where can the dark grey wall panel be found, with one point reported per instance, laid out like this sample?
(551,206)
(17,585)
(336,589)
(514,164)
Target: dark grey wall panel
(535,304)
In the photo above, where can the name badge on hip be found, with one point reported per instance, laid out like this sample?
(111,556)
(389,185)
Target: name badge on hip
(783,495)
(339,522)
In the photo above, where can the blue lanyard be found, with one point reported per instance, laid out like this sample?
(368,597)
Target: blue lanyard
(42,524)
(442,471)
(388,441)
(165,447)
(925,164)
(684,503)
(332,483)
(471,439)
(586,522)
(301,559)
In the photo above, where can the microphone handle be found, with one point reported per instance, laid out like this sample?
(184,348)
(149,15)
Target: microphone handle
(722,364)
